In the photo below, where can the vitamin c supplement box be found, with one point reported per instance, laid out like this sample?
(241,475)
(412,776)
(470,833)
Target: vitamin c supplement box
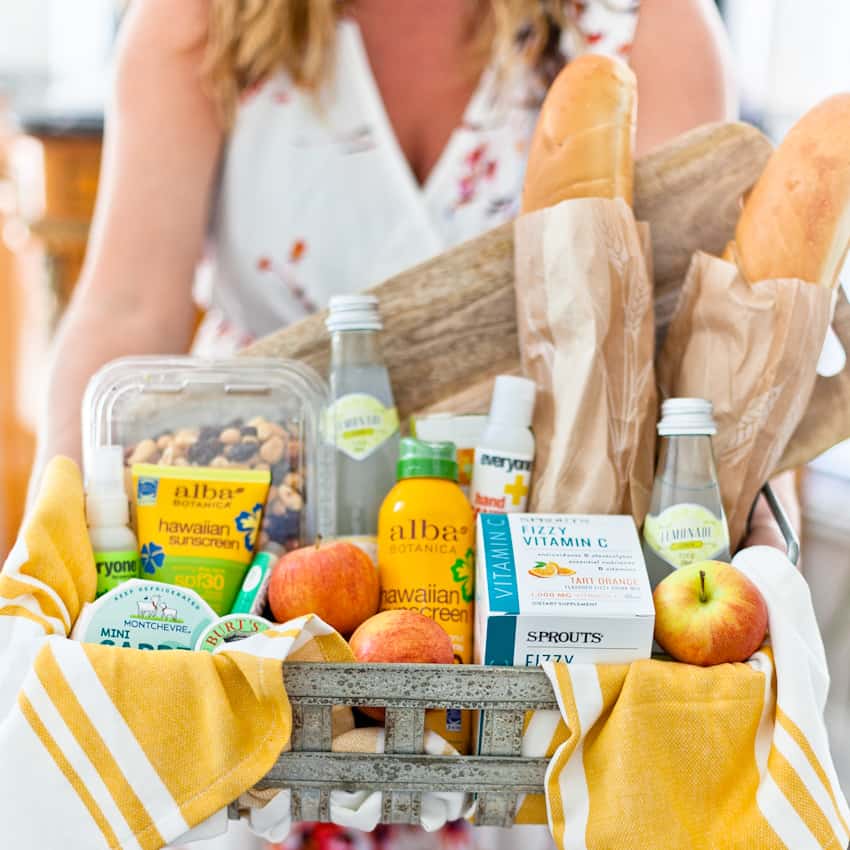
(553,587)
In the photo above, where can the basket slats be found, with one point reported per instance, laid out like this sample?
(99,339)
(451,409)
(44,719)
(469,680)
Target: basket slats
(406,686)
(405,730)
(399,772)
(501,735)
(310,804)
(311,727)
(499,776)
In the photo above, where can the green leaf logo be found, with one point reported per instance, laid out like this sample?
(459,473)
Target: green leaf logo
(463,573)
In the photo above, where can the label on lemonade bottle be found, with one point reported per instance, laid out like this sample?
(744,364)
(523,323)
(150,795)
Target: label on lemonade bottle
(114,568)
(358,424)
(686,533)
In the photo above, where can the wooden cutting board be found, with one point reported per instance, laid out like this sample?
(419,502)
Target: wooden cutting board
(827,419)
(450,323)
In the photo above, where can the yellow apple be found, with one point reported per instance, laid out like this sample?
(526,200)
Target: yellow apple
(709,613)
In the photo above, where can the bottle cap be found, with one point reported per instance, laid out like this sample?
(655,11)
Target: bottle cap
(463,430)
(353,313)
(513,401)
(418,459)
(686,416)
(106,498)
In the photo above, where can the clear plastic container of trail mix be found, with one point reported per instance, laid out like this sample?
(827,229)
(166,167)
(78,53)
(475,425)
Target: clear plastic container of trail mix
(241,413)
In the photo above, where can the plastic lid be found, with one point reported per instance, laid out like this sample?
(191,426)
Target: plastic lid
(106,498)
(513,401)
(134,400)
(686,416)
(418,459)
(464,431)
(353,313)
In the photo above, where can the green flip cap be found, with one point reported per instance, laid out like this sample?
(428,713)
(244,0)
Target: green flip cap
(419,459)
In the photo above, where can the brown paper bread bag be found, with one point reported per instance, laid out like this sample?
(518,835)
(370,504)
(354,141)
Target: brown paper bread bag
(748,335)
(752,350)
(585,324)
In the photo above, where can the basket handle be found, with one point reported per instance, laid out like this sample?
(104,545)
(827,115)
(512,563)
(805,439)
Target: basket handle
(792,541)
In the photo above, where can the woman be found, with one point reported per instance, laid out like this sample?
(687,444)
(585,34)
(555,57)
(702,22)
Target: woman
(397,143)
(317,147)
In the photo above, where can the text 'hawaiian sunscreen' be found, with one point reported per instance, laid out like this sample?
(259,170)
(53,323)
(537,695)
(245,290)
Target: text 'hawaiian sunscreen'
(197,527)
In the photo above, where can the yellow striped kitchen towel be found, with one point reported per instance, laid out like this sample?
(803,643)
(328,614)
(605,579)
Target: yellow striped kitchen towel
(663,755)
(115,748)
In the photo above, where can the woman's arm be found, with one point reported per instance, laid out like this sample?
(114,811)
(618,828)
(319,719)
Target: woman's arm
(682,62)
(160,154)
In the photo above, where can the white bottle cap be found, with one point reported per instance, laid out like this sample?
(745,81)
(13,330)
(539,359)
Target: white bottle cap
(106,498)
(353,313)
(686,417)
(513,401)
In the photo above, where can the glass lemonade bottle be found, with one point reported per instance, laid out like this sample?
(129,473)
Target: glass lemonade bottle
(362,419)
(686,522)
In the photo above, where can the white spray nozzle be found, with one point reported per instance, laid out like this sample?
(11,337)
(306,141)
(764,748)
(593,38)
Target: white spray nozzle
(513,401)
(106,468)
(106,498)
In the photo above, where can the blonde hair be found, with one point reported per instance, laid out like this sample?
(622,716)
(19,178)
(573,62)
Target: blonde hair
(251,39)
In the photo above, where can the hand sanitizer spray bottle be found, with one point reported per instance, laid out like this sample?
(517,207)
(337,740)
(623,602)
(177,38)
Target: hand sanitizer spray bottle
(116,550)
(504,456)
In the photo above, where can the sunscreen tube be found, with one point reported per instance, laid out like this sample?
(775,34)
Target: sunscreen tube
(197,526)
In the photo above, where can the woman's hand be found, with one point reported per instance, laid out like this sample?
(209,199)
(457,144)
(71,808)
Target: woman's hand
(763,530)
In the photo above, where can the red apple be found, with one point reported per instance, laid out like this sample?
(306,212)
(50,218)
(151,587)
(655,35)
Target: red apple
(337,581)
(400,637)
(709,613)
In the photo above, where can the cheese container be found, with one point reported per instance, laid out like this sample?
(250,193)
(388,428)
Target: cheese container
(144,615)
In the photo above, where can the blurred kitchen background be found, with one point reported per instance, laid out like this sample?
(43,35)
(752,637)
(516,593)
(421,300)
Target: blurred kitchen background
(54,76)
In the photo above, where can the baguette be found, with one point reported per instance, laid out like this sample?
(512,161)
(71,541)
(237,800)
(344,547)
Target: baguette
(795,222)
(583,145)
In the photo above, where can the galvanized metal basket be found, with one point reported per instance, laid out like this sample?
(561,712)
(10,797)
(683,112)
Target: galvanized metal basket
(498,776)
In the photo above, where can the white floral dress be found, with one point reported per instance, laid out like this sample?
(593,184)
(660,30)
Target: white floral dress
(315,196)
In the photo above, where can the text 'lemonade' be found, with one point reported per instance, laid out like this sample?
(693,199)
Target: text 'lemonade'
(426,538)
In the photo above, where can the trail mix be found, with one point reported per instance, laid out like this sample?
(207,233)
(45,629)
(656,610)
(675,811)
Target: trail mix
(256,444)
